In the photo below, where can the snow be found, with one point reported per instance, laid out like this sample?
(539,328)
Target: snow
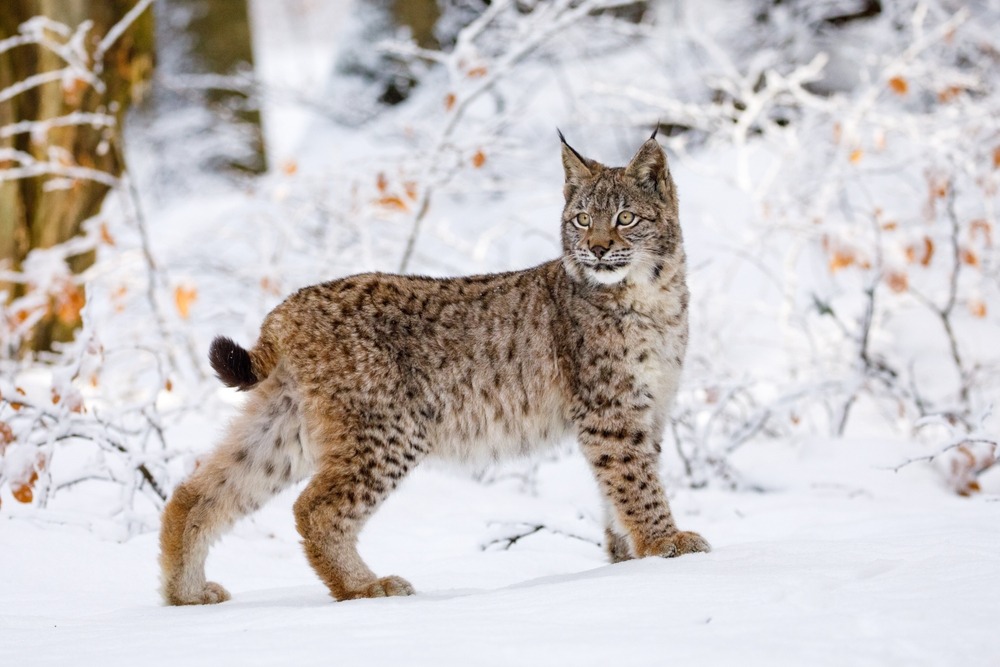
(825,552)
(842,561)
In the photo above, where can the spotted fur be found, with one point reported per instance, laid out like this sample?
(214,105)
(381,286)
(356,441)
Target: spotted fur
(357,381)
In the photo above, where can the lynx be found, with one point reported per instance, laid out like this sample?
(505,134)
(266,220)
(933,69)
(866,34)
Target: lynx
(358,380)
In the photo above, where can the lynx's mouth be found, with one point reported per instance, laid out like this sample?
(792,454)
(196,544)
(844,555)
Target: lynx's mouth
(606,273)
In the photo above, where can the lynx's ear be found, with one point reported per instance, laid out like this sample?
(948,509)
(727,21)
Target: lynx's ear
(577,167)
(649,169)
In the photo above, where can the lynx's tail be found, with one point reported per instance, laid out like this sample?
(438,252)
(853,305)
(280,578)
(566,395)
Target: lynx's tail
(239,368)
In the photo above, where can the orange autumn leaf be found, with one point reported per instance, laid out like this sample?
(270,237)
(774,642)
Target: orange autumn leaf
(897,281)
(73,90)
(449,101)
(290,167)
(106,235)
(411,189)
(17,405)
(925,260)
(969,257)
(890,226)
(977,308)
(996,157)
(856,155)
(269,286)
(939,188)
(392,202)
(841,259)
(184,297)
(168,385)
(972,486)
(948,94)
(6,436)
(381,182)
(74,401)
(965,465)
(980,226)
(118,298)
(69,303)
(22,492)
(476,72)
(898,85)
(479,159)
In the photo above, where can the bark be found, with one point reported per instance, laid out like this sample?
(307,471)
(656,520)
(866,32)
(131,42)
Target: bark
(220,42)
(31,216)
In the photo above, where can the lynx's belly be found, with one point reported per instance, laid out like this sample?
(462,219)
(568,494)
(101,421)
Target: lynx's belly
(487,426)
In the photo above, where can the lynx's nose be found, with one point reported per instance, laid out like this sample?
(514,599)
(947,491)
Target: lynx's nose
(598,250)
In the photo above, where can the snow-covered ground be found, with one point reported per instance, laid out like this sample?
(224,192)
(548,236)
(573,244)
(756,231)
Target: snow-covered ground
(826,551)
(840,562)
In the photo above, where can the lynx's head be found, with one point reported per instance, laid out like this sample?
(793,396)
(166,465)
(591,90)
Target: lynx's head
(619,222)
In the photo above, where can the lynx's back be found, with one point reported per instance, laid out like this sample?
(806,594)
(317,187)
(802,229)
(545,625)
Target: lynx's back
(472,360)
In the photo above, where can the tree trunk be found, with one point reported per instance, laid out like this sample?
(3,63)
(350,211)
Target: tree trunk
(32,215)
(219,41)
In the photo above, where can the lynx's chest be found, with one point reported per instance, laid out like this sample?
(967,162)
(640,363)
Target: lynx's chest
(655,327)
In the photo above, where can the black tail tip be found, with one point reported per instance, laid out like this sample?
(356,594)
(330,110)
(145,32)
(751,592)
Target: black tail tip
(231,363)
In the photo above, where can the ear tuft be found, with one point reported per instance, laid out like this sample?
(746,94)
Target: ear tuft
(576,166)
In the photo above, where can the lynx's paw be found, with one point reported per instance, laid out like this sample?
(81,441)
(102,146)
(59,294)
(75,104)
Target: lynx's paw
(209,593)
(684,542)
(384,587)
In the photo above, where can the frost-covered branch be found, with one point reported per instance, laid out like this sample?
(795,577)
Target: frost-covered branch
(474,71)
(515,532)
(883,284)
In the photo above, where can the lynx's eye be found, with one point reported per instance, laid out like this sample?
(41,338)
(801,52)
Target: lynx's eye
(582,221)
(626,219)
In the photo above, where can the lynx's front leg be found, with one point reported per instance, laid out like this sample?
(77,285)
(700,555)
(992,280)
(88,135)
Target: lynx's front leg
(624,461)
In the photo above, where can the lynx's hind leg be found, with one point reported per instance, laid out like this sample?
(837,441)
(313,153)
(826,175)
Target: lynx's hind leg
(260,454)
(365,460)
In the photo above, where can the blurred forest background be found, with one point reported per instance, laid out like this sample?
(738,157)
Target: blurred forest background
(171,169)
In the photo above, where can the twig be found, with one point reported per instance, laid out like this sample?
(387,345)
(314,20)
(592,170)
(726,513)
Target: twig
(506,543)
(552,18)
(955,445)
(117,30)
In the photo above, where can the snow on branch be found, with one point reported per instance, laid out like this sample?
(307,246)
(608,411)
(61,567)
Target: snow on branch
(81,67)
(486,52)
(119,28)
(94,411)
(874,216)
